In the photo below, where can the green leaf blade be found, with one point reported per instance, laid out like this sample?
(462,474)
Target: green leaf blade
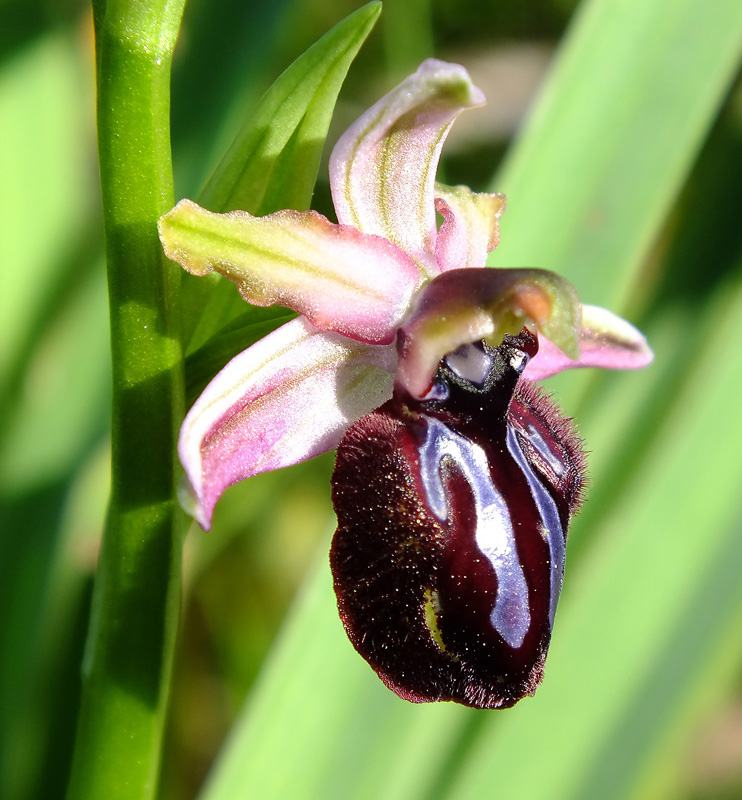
(612,138)
(274,160)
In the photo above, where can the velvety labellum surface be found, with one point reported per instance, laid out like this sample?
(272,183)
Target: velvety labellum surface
(452,518)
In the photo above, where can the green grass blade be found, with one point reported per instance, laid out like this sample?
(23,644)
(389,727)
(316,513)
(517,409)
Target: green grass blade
(54,389)
(633,92)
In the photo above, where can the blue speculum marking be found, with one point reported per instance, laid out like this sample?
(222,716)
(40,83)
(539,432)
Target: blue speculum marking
(493,533)
(551,458)
(549,515)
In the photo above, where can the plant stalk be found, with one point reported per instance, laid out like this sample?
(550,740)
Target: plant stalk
(129,655)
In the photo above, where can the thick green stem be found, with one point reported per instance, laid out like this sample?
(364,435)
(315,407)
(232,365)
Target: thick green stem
(126,674)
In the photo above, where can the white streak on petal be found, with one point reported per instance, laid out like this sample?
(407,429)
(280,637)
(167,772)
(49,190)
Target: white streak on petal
(287,398)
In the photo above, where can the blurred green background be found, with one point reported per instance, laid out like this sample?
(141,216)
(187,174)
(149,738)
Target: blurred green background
(615,129)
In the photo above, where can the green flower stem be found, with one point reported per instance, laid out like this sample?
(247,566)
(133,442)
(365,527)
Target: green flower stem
(126,674)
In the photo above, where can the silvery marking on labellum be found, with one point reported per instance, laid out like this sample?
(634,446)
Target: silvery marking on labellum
(456,478)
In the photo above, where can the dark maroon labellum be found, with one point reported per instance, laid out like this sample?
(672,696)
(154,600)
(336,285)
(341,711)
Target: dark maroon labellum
(452,521)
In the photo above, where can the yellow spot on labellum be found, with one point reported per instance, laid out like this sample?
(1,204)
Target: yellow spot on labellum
(431,618)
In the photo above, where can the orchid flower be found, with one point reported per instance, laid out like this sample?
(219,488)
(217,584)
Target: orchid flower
(455,478)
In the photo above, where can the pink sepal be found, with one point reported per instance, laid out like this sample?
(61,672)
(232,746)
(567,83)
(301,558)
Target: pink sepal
(341,279)
(382,170)
(606,340)
(287,398)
